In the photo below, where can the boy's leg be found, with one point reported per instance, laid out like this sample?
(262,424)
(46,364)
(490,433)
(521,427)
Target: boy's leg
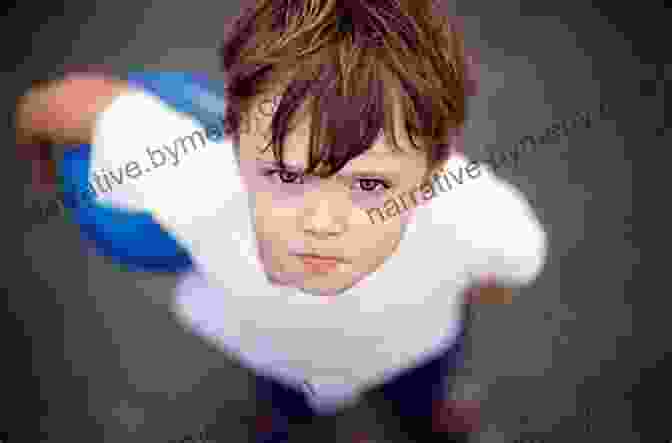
(283,406)
(420,398)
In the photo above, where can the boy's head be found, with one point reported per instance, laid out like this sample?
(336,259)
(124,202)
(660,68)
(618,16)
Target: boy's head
(338,106)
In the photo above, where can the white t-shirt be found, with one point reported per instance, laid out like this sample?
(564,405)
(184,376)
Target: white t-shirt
(403,313)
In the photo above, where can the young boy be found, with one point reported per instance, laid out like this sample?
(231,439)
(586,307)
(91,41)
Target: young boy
(296,229)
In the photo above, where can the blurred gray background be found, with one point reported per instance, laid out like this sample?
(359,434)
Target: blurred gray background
(110,365)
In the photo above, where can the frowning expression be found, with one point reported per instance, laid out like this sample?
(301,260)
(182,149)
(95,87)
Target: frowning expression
(314,233)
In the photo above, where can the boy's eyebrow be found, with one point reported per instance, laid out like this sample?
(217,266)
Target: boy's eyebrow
(276,164)
(370,172)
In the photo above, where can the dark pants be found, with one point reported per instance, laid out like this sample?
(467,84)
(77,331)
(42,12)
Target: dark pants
(411,394)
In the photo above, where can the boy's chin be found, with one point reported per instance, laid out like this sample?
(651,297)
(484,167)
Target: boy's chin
(314,286)
(319,292)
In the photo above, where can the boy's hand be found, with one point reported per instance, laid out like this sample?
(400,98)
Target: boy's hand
(64,111)
(61,112)
(489,292)
(494,295)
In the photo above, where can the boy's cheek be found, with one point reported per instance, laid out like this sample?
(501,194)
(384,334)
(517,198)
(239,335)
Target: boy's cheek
(368,201)
(288,196)
(273,265)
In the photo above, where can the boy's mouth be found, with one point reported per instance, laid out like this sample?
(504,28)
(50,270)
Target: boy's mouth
(320,264)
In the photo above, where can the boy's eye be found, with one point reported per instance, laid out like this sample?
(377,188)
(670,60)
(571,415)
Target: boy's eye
(288,177)
(372,184)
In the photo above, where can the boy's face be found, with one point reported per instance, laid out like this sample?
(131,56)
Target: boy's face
(315,233)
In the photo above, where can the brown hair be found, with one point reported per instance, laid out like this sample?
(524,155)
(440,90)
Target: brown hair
(345,62)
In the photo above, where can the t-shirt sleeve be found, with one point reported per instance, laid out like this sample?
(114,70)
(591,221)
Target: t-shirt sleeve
(133,137)
(196,195)
(495,224)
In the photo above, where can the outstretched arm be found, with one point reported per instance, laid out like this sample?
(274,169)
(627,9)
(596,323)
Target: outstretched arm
(506,243)
(191,200)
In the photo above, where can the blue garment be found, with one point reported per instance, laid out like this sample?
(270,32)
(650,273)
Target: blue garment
(135,239)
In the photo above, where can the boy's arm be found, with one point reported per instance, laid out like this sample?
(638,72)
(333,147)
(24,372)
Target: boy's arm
(190,184)
(190,195)
(494,221)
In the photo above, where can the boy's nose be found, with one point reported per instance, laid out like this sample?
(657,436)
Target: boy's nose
(325,217)
(323,224)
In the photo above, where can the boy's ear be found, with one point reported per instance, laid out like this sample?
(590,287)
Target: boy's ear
(439,168)
(448,152)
